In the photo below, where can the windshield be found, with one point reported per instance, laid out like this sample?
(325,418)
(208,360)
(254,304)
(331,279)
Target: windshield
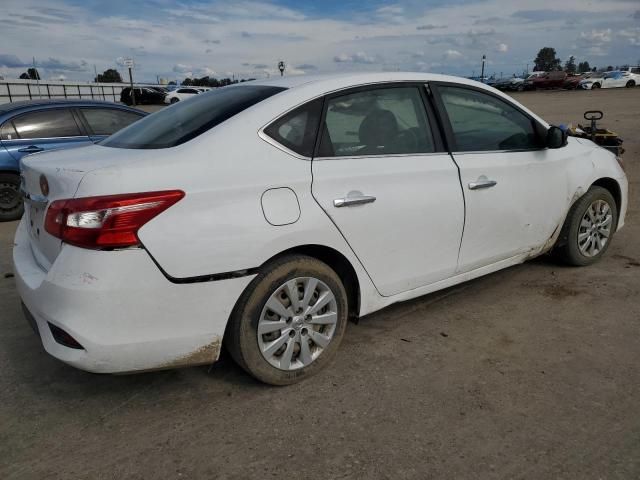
(187,119)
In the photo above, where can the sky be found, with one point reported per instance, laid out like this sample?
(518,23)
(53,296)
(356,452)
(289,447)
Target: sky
(246,39)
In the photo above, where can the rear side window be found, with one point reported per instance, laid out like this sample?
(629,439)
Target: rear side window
(186,120)
(107,121)
(7,132)
(52,123)
(481,122)
(297,129)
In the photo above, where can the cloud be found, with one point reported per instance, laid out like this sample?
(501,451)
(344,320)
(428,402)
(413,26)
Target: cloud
(488,21)
(306,66)
(359,57)
(11,61)
(212,42)
(182,68)
(502,48)
(246,35)
(452,55)
(597,37)
(540,15)
(636,15)
(632,35)
(430,26)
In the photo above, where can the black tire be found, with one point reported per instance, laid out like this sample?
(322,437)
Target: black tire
(520,88)
(595,86)
(631,84)
(175,100)
(11,206)
(241,337)
(567,246)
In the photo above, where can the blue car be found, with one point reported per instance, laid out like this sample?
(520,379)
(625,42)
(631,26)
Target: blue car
(35,126)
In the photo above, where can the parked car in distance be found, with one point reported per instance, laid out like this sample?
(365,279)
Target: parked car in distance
(181,94)
(510,84)
(266,214)
(572,81)
(591,81)
(546,81)
(144,96)
(40,125)
(618,79)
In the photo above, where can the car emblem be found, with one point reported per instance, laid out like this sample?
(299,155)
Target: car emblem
(44,185)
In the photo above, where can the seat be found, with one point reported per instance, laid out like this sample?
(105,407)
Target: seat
(378,130)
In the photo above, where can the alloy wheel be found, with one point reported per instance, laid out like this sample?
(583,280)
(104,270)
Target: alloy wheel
(9,197)
(297,323)
(595,228)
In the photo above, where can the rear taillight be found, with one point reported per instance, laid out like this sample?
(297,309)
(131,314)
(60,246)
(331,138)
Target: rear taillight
(110,221)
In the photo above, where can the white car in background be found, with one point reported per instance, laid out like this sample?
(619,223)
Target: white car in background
(619,79)
(267,214)
(181,93)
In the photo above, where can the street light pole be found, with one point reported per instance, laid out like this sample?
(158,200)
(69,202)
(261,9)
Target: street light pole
(484,58)
(281,67)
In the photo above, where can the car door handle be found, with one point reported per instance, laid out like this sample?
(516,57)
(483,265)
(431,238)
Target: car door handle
(350,201)
(31,149)
(482,183)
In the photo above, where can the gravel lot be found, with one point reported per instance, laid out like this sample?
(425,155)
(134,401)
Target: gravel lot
(531,372)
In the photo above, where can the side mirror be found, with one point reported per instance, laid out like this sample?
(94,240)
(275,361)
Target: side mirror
(556,137)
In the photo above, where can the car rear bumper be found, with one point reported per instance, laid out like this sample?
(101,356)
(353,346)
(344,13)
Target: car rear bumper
(121,309)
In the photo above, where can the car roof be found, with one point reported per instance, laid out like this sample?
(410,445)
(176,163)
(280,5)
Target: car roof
(358,78)
(34,104)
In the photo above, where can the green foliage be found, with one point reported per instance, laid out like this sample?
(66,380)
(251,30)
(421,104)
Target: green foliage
(570,65)
(584,67)
(546,60)
(109,76)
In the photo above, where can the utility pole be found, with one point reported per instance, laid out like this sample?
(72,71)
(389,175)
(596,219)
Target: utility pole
(281,67)
(484,58)
(95,70)
(37,76)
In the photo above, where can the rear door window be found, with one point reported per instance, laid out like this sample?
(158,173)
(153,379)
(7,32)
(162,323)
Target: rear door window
(50,123)
(107,121)
(186,120)
(379,121)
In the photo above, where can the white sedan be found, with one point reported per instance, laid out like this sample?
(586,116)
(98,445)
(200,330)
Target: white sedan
(618,79)
(267,214)
(181,94)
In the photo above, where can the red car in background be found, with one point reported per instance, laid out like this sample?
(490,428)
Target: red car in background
(548,80)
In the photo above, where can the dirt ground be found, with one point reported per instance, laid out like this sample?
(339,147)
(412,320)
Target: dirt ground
(531,372)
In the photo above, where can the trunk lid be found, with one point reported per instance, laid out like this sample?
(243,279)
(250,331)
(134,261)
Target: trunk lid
(51,176)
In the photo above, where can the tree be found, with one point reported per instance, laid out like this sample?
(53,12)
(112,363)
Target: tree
(609,68)
(33,73)
(584,67)
(110,75)
(546,60)
(570,65)
(172,82)
(24,76)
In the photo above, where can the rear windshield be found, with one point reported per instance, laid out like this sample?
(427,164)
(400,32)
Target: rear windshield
(187,119)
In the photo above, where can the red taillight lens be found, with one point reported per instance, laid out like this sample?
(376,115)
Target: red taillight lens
(110,221)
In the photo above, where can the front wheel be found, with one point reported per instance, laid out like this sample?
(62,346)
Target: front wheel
(595,86)
(289,322)
(589,228)
(175,100)
(11,206)
(631,84)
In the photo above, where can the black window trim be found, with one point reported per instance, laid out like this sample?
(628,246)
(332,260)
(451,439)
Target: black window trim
(431,118)
(448,130)
(83,132)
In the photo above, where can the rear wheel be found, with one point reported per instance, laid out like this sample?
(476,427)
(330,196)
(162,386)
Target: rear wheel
(289,322)
(175,100)
(589,228)
(11,206)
